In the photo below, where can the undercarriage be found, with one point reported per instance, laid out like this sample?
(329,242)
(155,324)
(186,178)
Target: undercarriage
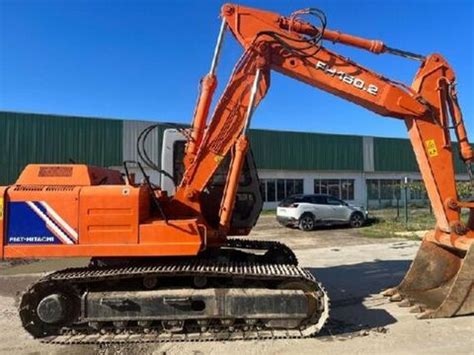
(237,294)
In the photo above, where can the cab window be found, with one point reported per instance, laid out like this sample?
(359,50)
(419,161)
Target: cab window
(318,200)
(334,201)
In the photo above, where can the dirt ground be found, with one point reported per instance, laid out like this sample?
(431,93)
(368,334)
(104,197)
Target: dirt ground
(354,269)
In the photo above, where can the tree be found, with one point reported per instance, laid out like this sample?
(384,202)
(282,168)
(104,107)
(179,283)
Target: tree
(464,189)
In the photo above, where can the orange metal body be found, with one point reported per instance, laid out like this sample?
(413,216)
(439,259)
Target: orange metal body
(113,218)
(108,220)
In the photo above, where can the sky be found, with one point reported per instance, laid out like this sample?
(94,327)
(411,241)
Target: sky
(143,59)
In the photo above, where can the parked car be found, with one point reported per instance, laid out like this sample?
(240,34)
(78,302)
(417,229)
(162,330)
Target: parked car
(307,211)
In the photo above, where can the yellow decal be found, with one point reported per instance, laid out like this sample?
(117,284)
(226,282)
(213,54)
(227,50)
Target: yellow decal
(218,159)
(1,208)
(431,148)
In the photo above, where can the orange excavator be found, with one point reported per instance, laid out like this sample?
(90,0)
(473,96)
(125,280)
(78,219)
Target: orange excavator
(162,266)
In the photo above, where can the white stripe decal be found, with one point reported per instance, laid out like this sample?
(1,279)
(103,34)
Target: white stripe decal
(62,223)
(51,226)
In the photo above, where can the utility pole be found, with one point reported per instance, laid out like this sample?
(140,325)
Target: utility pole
(405,180)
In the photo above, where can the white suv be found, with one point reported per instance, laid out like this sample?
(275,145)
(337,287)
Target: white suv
(306,211)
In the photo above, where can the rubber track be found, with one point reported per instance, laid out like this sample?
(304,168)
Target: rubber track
(187,268)
(193,268)
(238,243)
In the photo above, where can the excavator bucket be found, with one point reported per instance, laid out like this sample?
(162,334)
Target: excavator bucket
(439,282)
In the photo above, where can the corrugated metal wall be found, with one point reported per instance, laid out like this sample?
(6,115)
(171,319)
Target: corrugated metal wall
(459,165)
(393,154)
(153,143)
(131,131)
(35,138)
(306,151)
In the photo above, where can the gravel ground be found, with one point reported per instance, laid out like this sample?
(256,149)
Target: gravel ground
(354,269)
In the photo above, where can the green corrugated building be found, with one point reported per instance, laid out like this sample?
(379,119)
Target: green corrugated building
(355,168)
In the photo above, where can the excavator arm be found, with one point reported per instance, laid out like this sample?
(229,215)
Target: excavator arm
(293,47)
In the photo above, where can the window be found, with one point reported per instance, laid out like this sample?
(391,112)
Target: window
(340,188)
(290,188)
(178,156)
(278,189)
(418,190)
(319,200)
(298,186)
(383,189)
(333,201)
(281,193)
(389,189)
(373,189)
(329,187)
(263,190)
(271,190)
(347,189)
(296,199)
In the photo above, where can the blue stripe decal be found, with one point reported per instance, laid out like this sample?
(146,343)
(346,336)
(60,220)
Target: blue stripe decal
(24,226)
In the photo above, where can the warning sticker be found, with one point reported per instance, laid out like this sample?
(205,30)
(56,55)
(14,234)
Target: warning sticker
(431,148)
(1,208)
(218,159)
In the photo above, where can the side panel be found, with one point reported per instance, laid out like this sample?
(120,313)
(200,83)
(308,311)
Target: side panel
(109,215)
(39,215)
(40,220)
(176,235)
(102,221)
(178,238)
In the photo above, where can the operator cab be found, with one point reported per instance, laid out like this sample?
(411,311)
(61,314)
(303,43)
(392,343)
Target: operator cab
(248,203)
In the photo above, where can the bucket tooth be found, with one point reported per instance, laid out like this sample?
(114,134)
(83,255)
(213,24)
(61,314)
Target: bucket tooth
(396,298)
(417,309)
(405,303)
(441,279)
(425,314)
(389,292)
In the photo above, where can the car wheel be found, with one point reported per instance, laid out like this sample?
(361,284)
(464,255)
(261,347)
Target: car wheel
(306,223)
(357,220)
